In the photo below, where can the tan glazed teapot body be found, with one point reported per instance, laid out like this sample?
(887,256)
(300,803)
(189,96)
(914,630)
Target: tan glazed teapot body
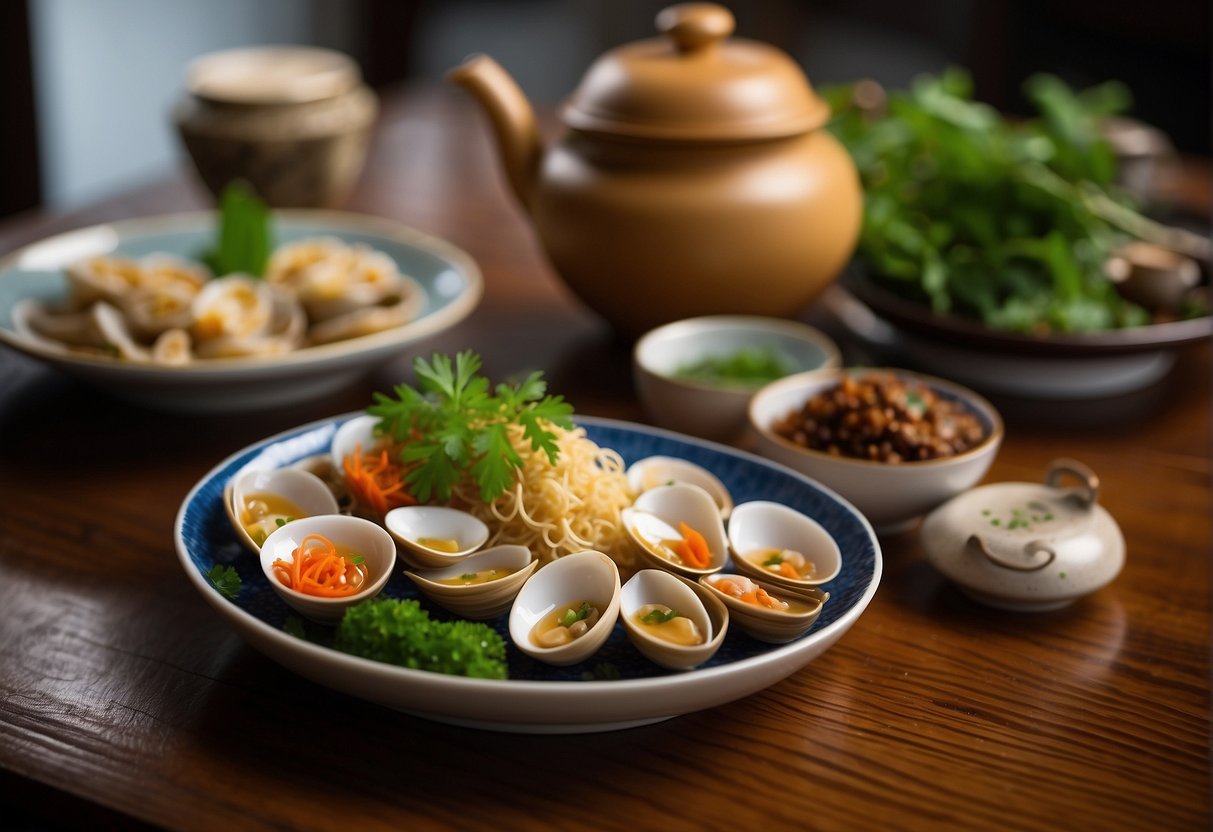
(694,177)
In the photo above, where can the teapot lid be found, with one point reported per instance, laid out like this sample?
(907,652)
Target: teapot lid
(1027,547)
(695,84)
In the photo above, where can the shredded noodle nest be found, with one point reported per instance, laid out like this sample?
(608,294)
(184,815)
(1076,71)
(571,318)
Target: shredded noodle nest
(557,509)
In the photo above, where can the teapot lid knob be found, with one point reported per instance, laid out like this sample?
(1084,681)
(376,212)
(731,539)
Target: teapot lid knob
(694,26)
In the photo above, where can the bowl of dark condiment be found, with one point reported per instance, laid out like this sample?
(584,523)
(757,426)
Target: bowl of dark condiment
(895,443)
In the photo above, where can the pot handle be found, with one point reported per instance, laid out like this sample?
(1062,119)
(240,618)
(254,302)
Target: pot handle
(1088,492)
(1031,549)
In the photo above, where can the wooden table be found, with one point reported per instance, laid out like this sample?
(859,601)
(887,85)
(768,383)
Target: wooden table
(125,698)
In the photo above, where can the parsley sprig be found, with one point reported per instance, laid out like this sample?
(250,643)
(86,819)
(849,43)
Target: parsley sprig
(453,426)
(226,580)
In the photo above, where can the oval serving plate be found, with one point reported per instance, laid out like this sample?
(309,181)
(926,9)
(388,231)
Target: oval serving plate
(617,687)
(450,278)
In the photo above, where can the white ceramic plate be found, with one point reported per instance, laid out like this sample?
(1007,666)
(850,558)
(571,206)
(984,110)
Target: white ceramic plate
(538,698)
(450,278)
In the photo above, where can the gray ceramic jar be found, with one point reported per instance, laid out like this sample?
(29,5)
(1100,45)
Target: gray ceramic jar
(294,122)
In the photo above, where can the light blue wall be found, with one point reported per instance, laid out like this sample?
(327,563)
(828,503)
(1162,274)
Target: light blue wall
(107,73)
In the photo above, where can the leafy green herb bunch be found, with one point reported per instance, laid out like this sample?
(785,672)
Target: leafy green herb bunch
(454,429)
(1007,221)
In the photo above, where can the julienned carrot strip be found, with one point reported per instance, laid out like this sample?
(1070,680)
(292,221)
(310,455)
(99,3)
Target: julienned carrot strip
(376,481)
(693,549)
(317,568)
(788,570)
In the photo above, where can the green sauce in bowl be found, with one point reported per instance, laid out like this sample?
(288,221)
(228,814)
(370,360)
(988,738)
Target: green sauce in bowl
(747,367)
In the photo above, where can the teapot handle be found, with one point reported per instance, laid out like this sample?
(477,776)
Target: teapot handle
(695,26)
(1031,549)
(1088,494)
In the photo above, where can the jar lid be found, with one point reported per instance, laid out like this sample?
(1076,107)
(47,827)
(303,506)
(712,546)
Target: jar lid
(695,84)
(272,75)
(1024,546)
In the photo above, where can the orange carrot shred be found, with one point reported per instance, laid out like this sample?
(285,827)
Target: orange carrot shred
(376,481)
(317,568)
(693,548)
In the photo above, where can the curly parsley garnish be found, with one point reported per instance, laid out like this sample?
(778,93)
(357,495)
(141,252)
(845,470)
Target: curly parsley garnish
(400,632)
(451,425)
(226,580)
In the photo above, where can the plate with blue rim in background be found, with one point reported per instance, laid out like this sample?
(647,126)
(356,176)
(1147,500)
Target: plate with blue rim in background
(617,687)
(449,277)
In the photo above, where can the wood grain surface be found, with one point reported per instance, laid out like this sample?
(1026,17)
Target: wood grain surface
(125,700)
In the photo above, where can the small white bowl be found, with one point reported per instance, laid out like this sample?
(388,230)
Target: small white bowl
(710,410)
(770,625)
(483,600)
(891,496)
(582,576)
(411,525)
(655,517)
(653,471)
(309,495)
(762,524)
(656,586)
(361,536)
(358,432)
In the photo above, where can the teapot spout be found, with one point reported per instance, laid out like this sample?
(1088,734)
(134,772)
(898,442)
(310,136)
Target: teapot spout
(518,141)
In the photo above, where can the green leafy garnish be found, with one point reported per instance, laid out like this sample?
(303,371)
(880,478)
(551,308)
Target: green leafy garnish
(243,242)
(282,521)
(357,560)
(571,616)
(773,560)
(603,671)
(294,626)
(226,580)
(468,576)
(1006,221)
(400,632)
(659,617)
(452,427)
(753,366)
(307,630)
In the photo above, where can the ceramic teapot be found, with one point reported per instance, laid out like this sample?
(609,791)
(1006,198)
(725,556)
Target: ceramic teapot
(694,177)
